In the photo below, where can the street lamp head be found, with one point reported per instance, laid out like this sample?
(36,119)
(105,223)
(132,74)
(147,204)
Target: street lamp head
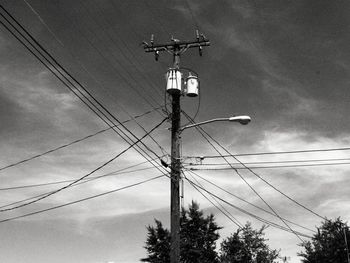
(244,120)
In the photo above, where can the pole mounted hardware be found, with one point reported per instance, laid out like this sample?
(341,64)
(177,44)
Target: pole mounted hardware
(174,79)
(176,46)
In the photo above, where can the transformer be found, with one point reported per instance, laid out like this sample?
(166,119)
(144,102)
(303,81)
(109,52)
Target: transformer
(192,86)
(174,81)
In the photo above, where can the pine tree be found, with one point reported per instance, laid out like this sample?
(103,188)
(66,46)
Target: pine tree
(328,244)
(247,245)
(157,244)
(198,236)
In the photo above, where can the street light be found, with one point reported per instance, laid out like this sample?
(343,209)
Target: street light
(244,120)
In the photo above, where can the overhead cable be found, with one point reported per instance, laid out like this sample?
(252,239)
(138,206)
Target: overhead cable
(245,201)
(98,108)
(71,143)
(272,153)
(80,200)
(86,175)
(222,209)
(201,130)
(118,172)
(249,213)
(264,167)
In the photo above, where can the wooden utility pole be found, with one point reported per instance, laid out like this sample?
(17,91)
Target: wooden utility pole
(175,171)
(346,245)
(176,47)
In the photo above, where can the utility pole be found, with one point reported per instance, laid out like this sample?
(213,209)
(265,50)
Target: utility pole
(176,47)
(346,244)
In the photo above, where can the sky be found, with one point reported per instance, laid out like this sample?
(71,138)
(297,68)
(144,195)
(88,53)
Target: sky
(284,63)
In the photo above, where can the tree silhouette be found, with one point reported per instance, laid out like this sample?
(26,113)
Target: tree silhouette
(198,236)
(328,245)
(247,245)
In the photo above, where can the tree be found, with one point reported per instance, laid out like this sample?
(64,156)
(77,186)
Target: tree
(157,244)
(248,246)
(198,236)
(328,244)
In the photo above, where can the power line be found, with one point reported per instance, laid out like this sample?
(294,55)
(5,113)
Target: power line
(245,201)
(69,144)
(141,73)
(201,131)
(86,175)
(269,223)
(222,209)
(134,58)
(118,172)
(43,22)
(192,15)
(129,74)
(274,162)
(98,108)
(134,65)
(271,153)
(80,200)
(254,173)
(267,167)
(249,213)
(116,70)
(81,182)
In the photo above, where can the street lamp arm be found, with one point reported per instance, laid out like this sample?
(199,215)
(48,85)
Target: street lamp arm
(241,119)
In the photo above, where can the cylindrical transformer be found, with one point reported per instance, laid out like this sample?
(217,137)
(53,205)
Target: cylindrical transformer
(174,80)
(192,86)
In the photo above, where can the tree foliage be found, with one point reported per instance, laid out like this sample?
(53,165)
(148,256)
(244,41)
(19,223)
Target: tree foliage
(247,245)
(157,244)
(328,244)
(198,235)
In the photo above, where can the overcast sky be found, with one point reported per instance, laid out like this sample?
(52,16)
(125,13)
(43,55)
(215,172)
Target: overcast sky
(284,63)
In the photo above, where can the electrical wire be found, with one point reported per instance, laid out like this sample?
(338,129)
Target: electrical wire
(60,42)
(245,201)
(222,209)
(86,175)
(229,214)
(100,106)
(111,39)
(81,200)
(192,15)
(272,153)
(254,173)
(43,22)
(67,85)
(69,144)
(275,162)
(117,172)
(267,167)
(198,128)
(133,64)
(134,57)
(79,183)
(249,213)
